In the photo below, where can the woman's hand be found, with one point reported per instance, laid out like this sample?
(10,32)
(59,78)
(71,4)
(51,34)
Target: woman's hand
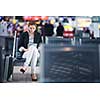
(22,49)
(25,49)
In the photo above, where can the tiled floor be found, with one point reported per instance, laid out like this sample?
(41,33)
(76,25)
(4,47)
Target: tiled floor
(19,77)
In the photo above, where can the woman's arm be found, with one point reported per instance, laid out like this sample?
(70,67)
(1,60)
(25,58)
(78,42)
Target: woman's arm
(23,40)
(21,49)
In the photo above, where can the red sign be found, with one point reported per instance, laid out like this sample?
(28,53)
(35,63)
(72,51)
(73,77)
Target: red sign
(34,18)
(27,18)
(44,17)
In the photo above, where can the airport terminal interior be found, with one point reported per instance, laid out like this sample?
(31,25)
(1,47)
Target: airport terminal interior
(69,50)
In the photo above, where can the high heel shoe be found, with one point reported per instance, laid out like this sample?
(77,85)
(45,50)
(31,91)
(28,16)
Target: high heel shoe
(34,77)
(23,70)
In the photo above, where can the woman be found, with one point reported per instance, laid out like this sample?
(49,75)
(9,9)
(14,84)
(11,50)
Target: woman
(28,44)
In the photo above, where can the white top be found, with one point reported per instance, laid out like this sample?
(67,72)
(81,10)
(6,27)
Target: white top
(31,41)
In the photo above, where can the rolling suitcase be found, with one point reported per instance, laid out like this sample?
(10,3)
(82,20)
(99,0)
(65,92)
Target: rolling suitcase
(1,65)
(8,63)
(8,67)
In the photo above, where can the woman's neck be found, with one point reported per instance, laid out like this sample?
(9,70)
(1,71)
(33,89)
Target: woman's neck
(31,34)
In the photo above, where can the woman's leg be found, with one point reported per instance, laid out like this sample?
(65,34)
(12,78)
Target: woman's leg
(32,56)
(28,55)
(33,64)
(34,60)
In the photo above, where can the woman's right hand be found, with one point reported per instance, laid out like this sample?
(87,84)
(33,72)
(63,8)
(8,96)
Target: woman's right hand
(22,49)
(25,49)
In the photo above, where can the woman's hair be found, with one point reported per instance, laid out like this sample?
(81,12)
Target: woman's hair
(32,24)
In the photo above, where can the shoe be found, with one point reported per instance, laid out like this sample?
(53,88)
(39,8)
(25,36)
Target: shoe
(34,77)
(23,70)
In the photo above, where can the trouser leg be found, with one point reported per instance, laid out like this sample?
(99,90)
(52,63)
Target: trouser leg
(34,60)
(28,55)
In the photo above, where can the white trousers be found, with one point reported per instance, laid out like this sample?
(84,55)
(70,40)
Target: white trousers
(31,56)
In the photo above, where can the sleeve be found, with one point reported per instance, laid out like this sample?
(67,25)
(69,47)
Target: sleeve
(39,40)
(20,42)
(23,40)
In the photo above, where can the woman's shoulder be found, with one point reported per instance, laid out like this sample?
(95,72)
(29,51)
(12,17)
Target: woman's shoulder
(24,33)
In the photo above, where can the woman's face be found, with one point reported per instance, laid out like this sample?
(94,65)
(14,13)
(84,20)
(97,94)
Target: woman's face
(32,28)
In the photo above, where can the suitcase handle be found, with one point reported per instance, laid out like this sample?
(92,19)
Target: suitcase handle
(14,45)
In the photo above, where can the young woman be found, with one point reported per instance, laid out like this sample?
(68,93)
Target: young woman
(28,44)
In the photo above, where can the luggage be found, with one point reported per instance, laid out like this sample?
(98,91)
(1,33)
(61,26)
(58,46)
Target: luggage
(1,66)
(8,63)
(9,60)
(8,67)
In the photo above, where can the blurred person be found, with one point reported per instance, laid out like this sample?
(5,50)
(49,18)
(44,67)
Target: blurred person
(25,28)
(15,25)
(28,44)
(92,35)
(74,30)
(0,26)
(49,29)
(43,32)
(10,29)
(19,30)
(60,30)
(86,32)
(4,27)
